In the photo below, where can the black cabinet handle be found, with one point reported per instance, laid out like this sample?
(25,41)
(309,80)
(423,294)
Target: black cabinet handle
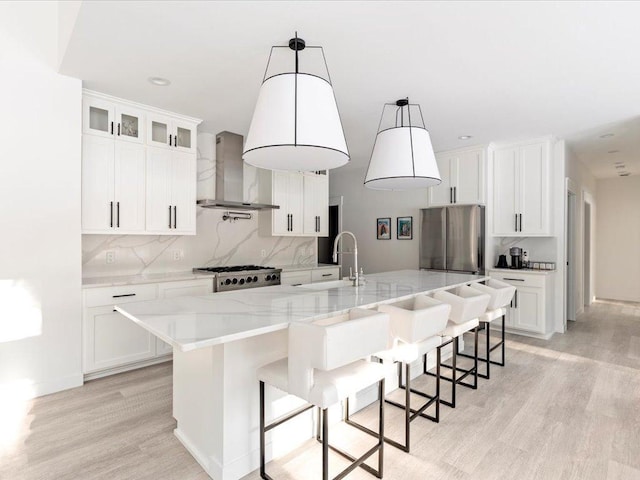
(450,195)
(520,222)
(327,274)
(124,295)
(118,214)
(169,216)
(516,228)
(514,279)
(175,140)
(175,217)
(118,128)
(111,128)
(169,139)
(516,298)
(111,214)
(455,194)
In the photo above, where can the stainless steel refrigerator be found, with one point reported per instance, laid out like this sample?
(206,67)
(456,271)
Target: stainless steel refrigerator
(452,238)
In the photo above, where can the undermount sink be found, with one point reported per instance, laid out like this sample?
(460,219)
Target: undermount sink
(327,285)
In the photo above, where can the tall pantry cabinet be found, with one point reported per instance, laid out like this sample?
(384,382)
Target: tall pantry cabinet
(138,168)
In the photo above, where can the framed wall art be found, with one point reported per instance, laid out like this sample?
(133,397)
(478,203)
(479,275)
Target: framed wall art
(383,228)
(404,228)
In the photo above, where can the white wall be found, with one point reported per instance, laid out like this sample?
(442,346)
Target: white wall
(362,206)
(40,269)
(583,184)
(218,242)
(618,238)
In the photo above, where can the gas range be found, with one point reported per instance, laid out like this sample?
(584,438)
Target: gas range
(242,276)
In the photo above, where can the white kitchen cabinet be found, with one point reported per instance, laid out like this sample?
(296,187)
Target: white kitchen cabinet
(111,340)
(303,199)
(463,178)
(112,119)
(521,193)
(115,161)
(113,176)
(171,133)
(531,310)
(170,192)
(285,189)
(316,205)
(313,275)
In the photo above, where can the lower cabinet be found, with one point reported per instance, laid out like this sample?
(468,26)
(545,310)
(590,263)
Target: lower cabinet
(531,310)
(111,342)
(301,277)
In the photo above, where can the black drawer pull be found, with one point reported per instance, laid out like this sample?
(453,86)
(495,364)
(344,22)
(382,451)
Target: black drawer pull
(514,279)
(327,274)
(124,295)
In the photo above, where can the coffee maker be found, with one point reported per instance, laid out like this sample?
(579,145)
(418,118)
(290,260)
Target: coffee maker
(516,257)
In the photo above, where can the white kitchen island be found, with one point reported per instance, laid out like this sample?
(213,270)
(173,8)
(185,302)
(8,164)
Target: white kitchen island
(220,339)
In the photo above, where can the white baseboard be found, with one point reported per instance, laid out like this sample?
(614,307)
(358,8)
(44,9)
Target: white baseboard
(128,367)
(59,384)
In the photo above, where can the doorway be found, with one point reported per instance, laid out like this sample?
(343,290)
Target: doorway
(325,244)
(587,254)
(570,257)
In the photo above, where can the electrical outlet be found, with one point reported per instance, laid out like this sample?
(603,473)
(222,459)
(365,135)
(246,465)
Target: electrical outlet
(178,254)
(263,253)
(111,257)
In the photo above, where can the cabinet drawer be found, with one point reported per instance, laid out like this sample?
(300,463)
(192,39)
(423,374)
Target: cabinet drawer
(325,274)
(519,279)
(94,297)
(299,277)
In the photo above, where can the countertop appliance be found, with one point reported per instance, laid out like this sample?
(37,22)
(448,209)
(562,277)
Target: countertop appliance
(242,276)
(516,257)
(452,238)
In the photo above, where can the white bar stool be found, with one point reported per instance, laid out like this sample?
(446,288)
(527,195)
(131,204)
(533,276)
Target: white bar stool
(467,305)
(416,325)
(325,365)
(501,295)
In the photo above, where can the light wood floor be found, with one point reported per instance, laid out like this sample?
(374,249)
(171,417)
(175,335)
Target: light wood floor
(568,408)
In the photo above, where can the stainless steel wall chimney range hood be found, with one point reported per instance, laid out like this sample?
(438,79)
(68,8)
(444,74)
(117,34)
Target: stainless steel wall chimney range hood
(229,175)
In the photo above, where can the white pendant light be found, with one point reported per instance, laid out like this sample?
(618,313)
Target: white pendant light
(402,157)
(296,125)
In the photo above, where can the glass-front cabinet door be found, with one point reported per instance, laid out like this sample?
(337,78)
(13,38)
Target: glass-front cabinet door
(98,117)
(184,139)
(129,124)
(159,132)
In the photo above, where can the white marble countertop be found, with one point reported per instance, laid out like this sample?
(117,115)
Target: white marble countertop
(188,323)
(521,270)
(112,281)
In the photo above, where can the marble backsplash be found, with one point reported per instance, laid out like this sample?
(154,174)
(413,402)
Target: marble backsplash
(218,242)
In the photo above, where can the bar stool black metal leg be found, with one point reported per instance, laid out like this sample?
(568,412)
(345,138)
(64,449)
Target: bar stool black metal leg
(438,360)
(475,358)
(454,372)
(407,409)
(381,427)
(262,433)
(325,445)
(504,359)
(487,329)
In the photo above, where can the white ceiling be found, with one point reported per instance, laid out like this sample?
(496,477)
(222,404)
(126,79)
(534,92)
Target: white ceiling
(494,70)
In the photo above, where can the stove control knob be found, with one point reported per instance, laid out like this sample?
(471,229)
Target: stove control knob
(255,278)
(242,281)
(235,280)
(227,281)
(268,278)
(249,279)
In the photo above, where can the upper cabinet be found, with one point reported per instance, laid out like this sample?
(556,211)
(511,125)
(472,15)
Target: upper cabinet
(125,181)
(521,193)
(463,178)
(171,133)
(112,120)
(303,199)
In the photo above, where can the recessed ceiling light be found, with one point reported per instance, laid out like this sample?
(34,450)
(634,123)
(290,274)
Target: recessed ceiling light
(624,174)
(607,135)
(613,151)
(620,166)
(159,81)
(465,137)
(619,163)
